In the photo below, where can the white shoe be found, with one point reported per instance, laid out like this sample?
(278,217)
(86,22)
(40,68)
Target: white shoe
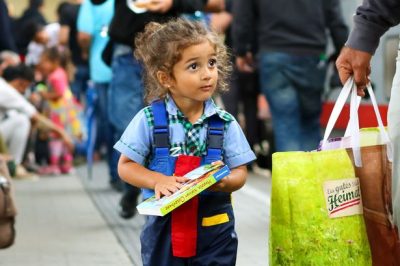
(23,174)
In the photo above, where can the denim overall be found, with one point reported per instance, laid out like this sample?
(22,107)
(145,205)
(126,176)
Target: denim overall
(216,242)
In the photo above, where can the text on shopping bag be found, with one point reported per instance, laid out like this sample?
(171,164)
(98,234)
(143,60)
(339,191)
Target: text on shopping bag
(343,197)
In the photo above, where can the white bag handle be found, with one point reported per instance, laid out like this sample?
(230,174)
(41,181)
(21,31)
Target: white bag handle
(348,87)
(337,108)
(353,125)
(355,132)
(384,136)
(383,133)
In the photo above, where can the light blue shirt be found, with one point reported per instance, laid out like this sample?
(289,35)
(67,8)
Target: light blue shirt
(94,20)
(136,141)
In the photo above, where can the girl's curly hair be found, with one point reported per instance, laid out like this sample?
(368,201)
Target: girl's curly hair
(159,47)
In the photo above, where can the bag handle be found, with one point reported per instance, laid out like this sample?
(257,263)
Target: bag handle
(353,125)
(383,133)
(337,108)
(348,87)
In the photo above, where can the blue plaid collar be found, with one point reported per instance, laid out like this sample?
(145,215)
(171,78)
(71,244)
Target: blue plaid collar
(210,109)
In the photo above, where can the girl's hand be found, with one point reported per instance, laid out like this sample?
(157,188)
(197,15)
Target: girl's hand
(168,185)
(221,186)
(232,182)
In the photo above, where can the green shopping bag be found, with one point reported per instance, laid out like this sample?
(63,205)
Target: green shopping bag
(316,207)
(301,231)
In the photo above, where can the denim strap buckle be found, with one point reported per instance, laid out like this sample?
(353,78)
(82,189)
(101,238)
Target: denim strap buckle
(161,136)
(215,138)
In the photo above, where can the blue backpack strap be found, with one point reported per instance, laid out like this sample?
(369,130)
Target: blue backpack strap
(160,130)
(215,139)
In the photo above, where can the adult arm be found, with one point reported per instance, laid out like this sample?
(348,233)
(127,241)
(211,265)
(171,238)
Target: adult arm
(44,122)
(6,39)
(372,19)
(243,21)
(335,23)
(85,27)
(63,35)
(10,99)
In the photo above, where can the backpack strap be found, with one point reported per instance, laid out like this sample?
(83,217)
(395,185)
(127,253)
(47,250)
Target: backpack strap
(215,139)
(160,129)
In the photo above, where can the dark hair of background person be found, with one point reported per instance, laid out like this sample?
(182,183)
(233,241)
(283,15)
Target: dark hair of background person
(20,71)
(20,25)
(35,4)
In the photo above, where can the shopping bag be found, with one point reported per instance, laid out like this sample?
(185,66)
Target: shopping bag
(301,232)
(375,173)
(7,208)
(316,207)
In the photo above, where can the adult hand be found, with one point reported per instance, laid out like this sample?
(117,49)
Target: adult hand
(159,6)
(357,63)
(245,63)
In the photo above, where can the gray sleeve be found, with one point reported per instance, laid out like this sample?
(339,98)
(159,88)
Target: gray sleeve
(372,19)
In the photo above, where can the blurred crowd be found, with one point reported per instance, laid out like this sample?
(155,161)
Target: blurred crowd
(54,74)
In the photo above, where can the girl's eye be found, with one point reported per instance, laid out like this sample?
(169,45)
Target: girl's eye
(193,66)
(212,62)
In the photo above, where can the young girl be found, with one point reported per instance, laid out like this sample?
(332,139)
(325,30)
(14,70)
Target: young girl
(184,65)
(63,110)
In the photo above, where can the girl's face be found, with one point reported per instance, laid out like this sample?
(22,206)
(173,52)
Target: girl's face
(46,66)
(195,75)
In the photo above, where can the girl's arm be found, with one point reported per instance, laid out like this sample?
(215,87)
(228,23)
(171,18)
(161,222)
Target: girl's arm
(139,176)
(234,181)
(50,95)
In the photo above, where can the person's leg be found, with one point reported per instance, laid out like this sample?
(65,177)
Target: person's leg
(283,99)
(66,160)
(56,150)
(79,85)
(248,91)
(217,241)
(126,91)
(125,100)
(105,133)
(15,132)
(308,75)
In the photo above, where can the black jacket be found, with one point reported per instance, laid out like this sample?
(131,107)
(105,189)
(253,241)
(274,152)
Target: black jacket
(291,26)
(126,24)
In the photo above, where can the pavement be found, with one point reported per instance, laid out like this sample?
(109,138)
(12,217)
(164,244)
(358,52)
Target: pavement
(73,220)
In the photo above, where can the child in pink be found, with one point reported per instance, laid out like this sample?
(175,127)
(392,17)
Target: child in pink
(62,109)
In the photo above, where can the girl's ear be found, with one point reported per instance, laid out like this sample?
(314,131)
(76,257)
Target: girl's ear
(164,79)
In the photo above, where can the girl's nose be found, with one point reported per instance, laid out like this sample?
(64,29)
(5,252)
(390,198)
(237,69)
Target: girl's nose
(206,73)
